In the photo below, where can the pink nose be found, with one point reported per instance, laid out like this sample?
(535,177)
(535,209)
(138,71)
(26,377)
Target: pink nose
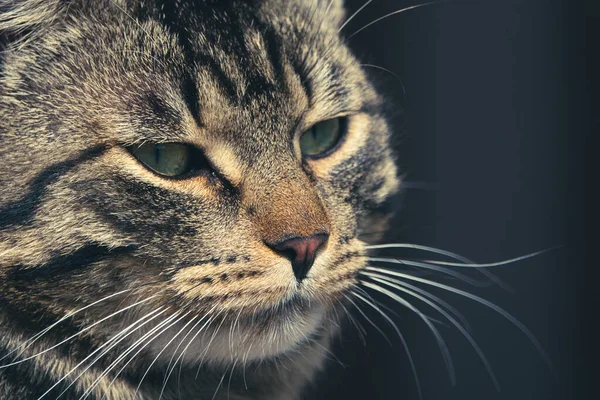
(301,251)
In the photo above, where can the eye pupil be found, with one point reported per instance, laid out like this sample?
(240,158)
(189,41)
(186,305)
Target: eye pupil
(157,149)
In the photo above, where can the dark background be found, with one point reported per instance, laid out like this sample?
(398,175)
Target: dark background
(493,131)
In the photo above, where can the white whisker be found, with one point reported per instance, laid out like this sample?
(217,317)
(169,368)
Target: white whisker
(361,331)
(478,299)
(185,349)
(369,319)
(203,354)
(220,383)
(443,303)
(163,349)
(394,13)
(397,284)
(404,185)
(131,348)
(440,341)
(171,324)
(446,253)
(353,16)
(492,264)
(424,265)
(231,376)
(35,337)
(87,328)
(402,339)
(180,344)
(379,304)
(113,341)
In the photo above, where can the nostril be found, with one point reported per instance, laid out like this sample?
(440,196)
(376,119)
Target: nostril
(301,251)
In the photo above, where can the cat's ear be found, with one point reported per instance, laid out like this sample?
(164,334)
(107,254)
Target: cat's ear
(22,20)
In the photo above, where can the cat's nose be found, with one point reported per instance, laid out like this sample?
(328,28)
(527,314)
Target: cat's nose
(301,251)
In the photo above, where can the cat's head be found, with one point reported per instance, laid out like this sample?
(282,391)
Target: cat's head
(216,159)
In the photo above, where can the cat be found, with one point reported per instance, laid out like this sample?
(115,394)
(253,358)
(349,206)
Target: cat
(184,184)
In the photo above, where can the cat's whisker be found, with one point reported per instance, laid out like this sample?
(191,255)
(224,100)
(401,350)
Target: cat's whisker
(326,352)
(395,76)
(353,15)
(41,333)
(230,376)
(244,362)
(402,340)
(492,264)
(220,383)
(163,349)
(183,340)
(394,13)
(335,320)
(418,247)
(150,340)
(181,365)
(205,350)
(359,328)
(457,314)
(477,299)
(114,341)
(131,348)
(436,268)
(200,358)
(168,375)
(446,253)
(406,288)
(87,328)
(440,341)
(378,303)
(369,319)
(232,327)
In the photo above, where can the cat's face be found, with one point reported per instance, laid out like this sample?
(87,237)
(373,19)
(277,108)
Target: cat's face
(238,82)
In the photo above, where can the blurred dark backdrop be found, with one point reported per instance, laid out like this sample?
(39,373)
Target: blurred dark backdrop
(491,123)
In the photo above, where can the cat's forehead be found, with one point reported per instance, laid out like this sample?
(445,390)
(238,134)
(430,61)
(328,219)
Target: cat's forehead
(251,66)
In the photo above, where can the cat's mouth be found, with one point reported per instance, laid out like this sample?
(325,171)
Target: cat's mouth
(274,320)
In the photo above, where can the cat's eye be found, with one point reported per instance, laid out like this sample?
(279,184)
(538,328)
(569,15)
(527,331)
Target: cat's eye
(321,138)
(167,159)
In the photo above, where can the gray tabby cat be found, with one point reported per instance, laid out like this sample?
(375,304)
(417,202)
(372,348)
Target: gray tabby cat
(183,184)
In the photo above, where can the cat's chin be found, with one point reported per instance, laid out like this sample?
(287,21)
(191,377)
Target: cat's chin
(279,332)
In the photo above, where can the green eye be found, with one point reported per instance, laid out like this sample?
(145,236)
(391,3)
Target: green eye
(321,138)
(168,159)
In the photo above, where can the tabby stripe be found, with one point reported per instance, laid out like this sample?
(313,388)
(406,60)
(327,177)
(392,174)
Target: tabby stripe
(22,211)
(274,46)
(225,82)
(189,88)
(63,264)
(175,18)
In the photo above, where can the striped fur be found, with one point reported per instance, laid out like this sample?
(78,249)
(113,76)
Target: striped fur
(81,219)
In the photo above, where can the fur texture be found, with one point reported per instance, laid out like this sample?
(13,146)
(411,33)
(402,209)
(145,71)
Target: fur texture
(185,259)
